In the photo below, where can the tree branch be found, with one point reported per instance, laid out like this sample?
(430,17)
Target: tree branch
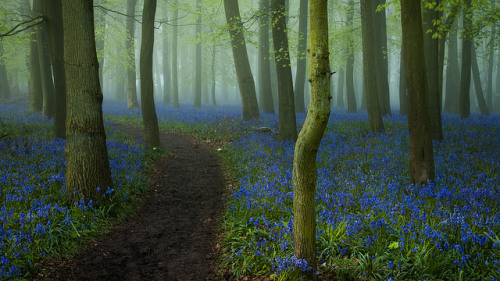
(30,23)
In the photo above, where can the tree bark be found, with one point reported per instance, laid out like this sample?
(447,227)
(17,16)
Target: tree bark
(464,105)
(287,120)
(36,93)
(483,107)
(132,101)
(452,76)
(421,162)
(381,56)
(249,106)
(54,25)
(146,67)
(265,91)
(100,26)
(300,76)
(197,88)
(304,173)
(349,75)
(88,173)
(491,56)
(431,51)
(369,68)
(175,83)
(167,74)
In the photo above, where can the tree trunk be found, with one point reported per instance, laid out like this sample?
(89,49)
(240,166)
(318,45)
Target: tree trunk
(100,27)
(489,87)
(249,106)
(452,76)
(48,107)
(349,75)
(197,88)
(300,76)
(340,88)
(403,101)
(431,51)
(87,166)
(265,91)
(381,56)
(146,67)
(132,101)
(175,83)
(214,52)
(53,21)
(36,93)
(4,83)
(477,83)
(167,75)
(370,77)
(287,120)
(464,105)
(304,173)
(421,162)
(496,98)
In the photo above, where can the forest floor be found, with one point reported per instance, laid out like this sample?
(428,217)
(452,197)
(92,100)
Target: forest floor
(173,235)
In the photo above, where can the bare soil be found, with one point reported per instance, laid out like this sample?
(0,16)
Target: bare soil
(173,234)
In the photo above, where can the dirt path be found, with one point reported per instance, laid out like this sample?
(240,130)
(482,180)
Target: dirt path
(172,236)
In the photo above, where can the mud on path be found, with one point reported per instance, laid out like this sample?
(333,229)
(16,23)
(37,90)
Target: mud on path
(172,236)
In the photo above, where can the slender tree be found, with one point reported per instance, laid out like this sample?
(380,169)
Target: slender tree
(381,56)
(491,58)
(265,91)
(483,107)
(421,162)
(54,25)
(403,102)
(340,88)
(197,87)
(287,121)
(452,75)
(167,74)
(132,101)
(304,173)
(249,106)
(369,76)
(36,93)
(349,75)
(175,83)
(4,83)
(464,104)
(431,51)
(214,52)
(146,67)
(87,166)
(300,76)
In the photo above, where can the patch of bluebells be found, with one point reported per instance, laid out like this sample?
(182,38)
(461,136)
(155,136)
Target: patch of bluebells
(34,218)
(363,184)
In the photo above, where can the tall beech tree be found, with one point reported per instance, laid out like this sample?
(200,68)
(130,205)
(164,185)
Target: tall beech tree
(369,69)
(249,106)
(304,172)
(36,93)
(403,102)
(381,56)
(421,159)
(266,101)
(483,107)
(132,101)
(175,81)
(287,120)
(452,75)
(349,68)
(54,26)
(167,74)
(197,80)
(4,82)
(300,76)
(88,174)
(464,101)
(149,117)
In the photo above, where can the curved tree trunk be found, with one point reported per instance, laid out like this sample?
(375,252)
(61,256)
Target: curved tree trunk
(87,166)
(266,101)
(300,76)
(146,67)
(249,106)
(287,121)
(421,162)
(132,101)
(369,68)
(304,173)
(53,20)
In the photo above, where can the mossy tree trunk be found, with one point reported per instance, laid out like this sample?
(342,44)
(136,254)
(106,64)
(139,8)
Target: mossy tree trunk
(421,159)
(287,120)
(265,90)
(146,67)
(369,68)
(132,101)
(249,105)
(304,161)
(300,76)
(88,173)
